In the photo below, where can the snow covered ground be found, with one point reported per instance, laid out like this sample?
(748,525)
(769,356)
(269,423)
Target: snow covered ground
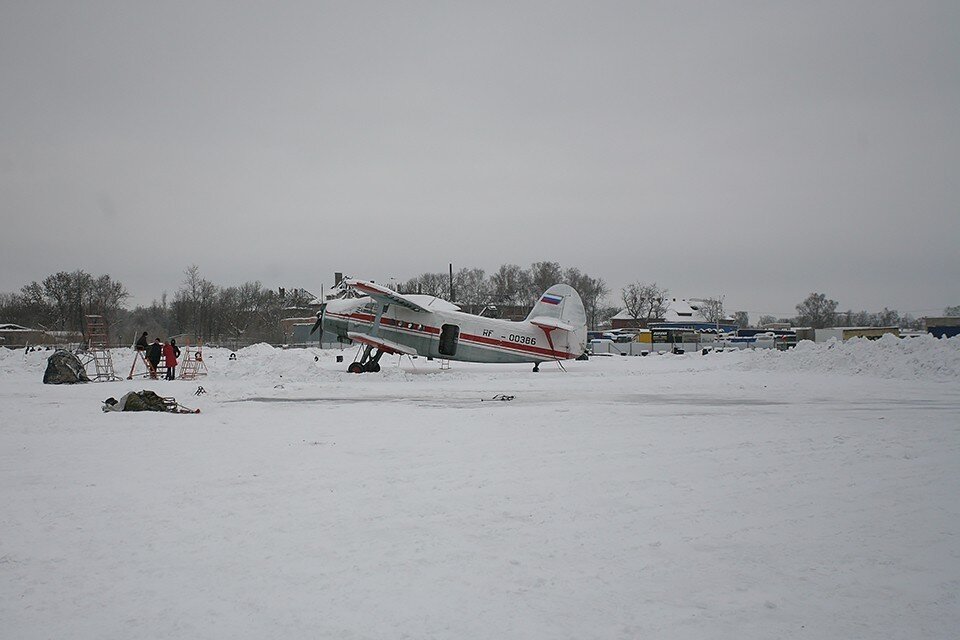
(807,494)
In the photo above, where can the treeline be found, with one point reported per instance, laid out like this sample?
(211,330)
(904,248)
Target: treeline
(60,301)
(512,285)
(647,301)
(199,309)
(819,311)
(249,313)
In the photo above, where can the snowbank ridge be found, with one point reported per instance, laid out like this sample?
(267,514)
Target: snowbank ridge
(920,358)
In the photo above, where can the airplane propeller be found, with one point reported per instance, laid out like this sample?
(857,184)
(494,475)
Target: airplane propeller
(319,323)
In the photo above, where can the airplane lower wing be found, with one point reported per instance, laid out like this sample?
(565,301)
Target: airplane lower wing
(386,346)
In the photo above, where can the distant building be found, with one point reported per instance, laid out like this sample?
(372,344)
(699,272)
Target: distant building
(846,333)
(15,336)
(746,333)
(680,314)
(945,327)
(300,316)
(296,332)
(776,326)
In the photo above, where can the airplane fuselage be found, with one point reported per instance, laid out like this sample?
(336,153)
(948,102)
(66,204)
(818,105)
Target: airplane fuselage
(452,335)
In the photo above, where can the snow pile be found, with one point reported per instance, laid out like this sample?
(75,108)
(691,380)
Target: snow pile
(13,362)
(919,358)
(678,496)
(263,362)
(259,349)
(7,357)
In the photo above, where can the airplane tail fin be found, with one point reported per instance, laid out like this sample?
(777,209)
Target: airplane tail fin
(562,302)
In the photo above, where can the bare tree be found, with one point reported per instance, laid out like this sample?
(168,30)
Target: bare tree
(742,318)
(77,294)
(712,309)
(29,307)
(436,284)
(472,287)
(888,318)
(644,302)
(107,297)
(605,313)
(952,312)
(591,290)
(431,284)
(907,321)
(193,303)
(509,284)
(57,288)
(81,284)
(816,311)
(250,313)
(298,298)
(232,315)
(543,275)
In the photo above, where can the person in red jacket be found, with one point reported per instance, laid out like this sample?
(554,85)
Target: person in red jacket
(170,353)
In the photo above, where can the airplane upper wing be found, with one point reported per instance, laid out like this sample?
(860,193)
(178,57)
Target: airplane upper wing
(545,322)
(383,294)
(387,346)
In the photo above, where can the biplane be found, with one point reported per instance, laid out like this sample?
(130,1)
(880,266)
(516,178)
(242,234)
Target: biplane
(387,322)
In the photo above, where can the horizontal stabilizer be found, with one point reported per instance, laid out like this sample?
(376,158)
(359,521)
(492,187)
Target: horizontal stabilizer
(546,322)
(385,346)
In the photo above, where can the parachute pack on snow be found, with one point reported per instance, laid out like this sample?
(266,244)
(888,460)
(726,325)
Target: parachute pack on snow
(145,400)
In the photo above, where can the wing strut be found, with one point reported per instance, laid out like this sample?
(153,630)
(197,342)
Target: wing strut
(376,321)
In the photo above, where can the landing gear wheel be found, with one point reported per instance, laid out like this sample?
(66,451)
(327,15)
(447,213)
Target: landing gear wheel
(536,367)
(372,366)
(355,367)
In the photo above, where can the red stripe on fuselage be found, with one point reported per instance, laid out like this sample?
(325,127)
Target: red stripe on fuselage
(513,346)
(479,340)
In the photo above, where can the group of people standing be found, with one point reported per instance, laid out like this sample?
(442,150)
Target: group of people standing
(168,351)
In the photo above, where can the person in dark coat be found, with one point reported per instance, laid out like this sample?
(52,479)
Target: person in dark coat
(142,344)
(170,353)
(153,357)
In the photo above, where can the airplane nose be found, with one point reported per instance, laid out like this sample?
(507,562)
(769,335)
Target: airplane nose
(319,323)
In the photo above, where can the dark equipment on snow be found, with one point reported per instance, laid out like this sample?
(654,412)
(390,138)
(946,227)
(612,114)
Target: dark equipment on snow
(502,397)
(64,368)
(145,401)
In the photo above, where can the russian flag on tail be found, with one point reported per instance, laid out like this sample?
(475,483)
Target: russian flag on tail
(549,299)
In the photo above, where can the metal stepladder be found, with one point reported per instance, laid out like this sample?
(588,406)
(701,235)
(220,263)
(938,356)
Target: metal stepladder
(141,357)
(97,350)
(192,365)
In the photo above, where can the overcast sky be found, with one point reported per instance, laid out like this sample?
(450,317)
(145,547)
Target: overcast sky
(758,150)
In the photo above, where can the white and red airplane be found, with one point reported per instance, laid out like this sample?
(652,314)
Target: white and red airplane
(414,324)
